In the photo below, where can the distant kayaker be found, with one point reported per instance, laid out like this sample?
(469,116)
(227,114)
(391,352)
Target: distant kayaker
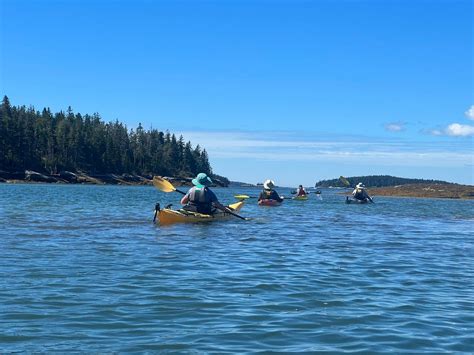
(268,193)
(301,191)
(200,197)
(360,193)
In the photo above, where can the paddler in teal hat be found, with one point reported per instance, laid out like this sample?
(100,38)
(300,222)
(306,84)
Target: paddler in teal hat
(200,197)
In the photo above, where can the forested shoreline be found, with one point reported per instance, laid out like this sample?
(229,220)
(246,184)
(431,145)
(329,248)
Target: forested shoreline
(55,143)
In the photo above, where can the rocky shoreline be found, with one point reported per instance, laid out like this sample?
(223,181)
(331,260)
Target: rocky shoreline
(67,177)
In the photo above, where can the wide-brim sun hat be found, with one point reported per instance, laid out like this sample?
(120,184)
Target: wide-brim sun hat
(268,184)
(202,180)
(360,185)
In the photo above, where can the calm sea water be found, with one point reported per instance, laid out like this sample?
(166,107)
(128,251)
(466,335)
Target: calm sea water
(84,269)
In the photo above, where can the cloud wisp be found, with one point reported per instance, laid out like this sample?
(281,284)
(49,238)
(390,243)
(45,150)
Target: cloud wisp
(470,113)
(290,146)
(395,127)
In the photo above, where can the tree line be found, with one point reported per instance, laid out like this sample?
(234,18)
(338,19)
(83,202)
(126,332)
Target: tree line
(66,141)
(374,181)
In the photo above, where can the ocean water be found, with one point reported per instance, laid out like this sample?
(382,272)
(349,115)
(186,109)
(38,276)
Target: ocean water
(83,268)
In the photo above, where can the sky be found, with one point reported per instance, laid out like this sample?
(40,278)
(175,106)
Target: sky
(295,91)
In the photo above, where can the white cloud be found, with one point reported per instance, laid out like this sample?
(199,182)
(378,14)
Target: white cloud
(470,113)
(459,130)
(395,127)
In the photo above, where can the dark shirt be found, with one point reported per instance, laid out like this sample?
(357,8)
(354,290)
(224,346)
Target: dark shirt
(269,195)
(360,194)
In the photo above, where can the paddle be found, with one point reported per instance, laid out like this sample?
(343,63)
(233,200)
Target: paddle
(166,186)
(345,181)
(243,197)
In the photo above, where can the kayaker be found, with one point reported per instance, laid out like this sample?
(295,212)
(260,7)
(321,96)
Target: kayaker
(200,197)
(301,191)
(360,193)
(268,193)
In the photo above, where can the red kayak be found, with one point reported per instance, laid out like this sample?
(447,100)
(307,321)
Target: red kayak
(269,202)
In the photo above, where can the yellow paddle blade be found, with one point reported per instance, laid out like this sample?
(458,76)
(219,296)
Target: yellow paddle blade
(344,181)
(162,184)
(241,197)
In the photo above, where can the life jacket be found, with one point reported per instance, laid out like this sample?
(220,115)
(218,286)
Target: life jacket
(360,194)
(200,199)
(269,195)
(301,192)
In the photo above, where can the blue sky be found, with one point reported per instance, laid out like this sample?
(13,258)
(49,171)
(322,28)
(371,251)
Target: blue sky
(295,91)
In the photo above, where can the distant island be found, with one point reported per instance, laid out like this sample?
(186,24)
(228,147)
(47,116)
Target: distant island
(374,181)
(386,185)
(240,184)
(69,147)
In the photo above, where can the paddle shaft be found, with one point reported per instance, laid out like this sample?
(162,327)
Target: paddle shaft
(181,192)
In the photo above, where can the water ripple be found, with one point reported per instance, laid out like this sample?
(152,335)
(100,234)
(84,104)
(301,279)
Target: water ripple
(98,276)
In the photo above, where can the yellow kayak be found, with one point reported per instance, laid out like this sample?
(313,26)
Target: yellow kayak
(168,216)
(300,198)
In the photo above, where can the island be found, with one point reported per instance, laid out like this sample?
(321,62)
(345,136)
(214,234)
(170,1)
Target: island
(69,147)
(386,185)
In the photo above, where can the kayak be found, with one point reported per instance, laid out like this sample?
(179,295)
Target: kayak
(353,200)
(300,198)
(269,202)
(168,216)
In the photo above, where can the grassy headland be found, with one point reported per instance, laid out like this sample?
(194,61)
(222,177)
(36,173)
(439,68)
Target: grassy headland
(427,190)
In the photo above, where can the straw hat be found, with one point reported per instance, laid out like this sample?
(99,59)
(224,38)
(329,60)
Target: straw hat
(268,184)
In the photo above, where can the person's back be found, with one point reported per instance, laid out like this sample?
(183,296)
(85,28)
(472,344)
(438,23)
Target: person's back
(200,200)
(301,191)
(269,195)
(360,193)
(200,197)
